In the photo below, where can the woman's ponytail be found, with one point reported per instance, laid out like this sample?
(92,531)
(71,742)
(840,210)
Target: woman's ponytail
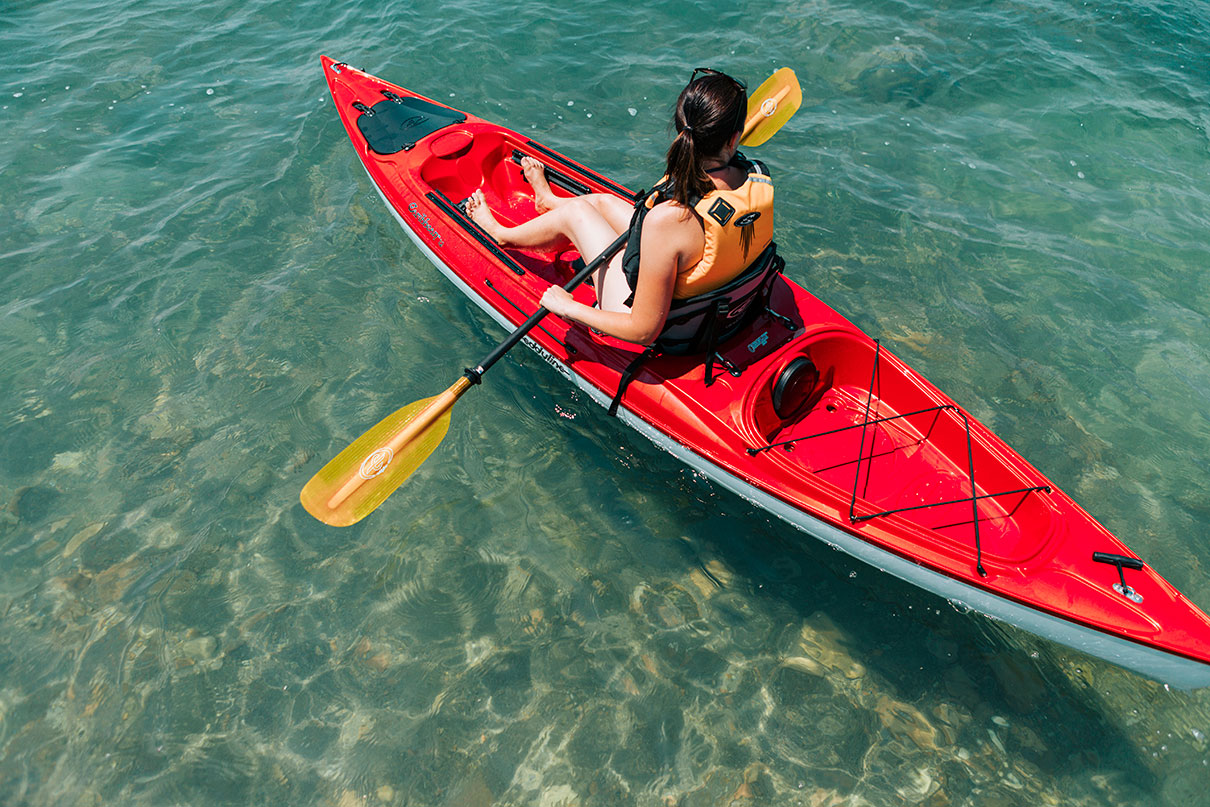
(686,178)
(706,117)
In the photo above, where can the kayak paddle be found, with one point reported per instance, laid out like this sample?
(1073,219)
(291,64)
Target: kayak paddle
(774,102)
(361,477)
(358,479)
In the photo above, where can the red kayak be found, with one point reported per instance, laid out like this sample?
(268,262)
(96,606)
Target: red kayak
(797,411)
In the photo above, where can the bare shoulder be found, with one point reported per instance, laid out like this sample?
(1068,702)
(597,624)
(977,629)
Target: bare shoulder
(670,214)
(674,221)
(672,238)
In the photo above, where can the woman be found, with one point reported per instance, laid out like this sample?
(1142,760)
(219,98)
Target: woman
(691,235)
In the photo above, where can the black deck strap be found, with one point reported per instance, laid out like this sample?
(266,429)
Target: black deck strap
(478,233)
(964,500)
(398,124)
(710,337)
(970,459)
(556,177)
(861,443)
(628,375)
(973,498)
(582,171)
(752,452)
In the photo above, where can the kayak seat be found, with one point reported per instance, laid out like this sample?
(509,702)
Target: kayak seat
(705,323)
(397,124)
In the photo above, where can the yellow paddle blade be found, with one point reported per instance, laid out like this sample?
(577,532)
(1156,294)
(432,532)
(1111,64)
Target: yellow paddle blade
(774,102)
(361,477)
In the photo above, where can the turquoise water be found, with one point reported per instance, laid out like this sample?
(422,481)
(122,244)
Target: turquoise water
(202,300)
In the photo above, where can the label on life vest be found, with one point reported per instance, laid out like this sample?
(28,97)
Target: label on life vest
(721,212)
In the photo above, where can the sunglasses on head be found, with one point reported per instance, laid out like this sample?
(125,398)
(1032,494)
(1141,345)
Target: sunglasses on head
(709,71)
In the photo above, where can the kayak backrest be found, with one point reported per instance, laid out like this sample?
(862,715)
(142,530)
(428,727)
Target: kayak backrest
(701,324)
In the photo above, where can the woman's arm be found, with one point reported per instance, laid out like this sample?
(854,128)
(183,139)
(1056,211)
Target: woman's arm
(672,238)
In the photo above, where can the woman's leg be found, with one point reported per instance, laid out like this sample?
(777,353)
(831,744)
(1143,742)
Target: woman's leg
(590,222)
(613,289)
(544,198)
(574,219)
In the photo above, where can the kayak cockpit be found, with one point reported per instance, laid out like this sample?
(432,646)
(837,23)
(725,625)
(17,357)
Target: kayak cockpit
(836,406)
(471,158)
(463,160)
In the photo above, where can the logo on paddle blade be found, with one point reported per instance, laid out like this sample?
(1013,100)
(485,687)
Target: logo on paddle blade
(376,463)
(768,107)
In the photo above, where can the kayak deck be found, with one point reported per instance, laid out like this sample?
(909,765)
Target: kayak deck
(876,460)
(914,457)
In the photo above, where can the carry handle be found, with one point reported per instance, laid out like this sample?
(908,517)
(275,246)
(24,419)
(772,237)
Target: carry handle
(1121,561)
(1118,560)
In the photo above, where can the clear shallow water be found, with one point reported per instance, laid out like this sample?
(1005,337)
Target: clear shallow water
(202,300)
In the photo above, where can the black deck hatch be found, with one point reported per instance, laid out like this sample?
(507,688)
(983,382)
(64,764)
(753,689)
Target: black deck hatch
(397,124)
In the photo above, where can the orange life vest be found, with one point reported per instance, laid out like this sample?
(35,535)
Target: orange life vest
(737,224)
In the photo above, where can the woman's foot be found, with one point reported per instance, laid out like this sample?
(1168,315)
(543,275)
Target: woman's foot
(481,214)
(535,174)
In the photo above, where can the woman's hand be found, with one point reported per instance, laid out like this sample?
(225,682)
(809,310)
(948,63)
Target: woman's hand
(557,301)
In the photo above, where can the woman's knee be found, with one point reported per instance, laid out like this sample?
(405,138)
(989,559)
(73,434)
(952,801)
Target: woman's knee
(582,217)
(613,209)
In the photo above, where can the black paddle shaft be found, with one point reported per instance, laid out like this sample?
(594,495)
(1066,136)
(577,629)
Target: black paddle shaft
(476,373)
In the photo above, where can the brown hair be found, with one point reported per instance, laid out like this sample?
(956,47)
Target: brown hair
(708,112)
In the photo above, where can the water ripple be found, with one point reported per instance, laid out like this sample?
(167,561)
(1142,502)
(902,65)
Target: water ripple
(203,300)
